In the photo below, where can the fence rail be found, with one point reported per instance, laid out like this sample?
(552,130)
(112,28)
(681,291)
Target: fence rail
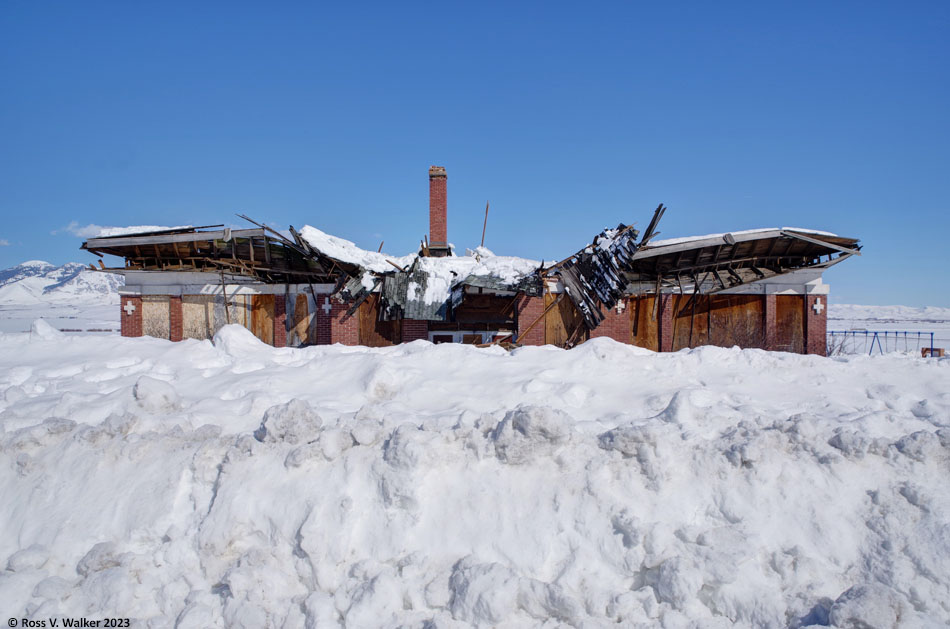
(857,341)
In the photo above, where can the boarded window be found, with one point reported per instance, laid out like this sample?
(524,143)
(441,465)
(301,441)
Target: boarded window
(563,323)
(197,314)
(373,332)
(790,323)
(262,317)
(155,321)
(645,327)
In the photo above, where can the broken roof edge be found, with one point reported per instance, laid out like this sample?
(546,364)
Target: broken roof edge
(669,245)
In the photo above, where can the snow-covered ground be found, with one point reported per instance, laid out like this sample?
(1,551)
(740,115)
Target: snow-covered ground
(70,297)
(233,484)
(903,323)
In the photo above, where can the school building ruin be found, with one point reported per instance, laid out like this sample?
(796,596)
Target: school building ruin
(756,288)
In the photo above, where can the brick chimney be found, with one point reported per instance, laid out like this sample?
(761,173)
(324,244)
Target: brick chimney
(438,229)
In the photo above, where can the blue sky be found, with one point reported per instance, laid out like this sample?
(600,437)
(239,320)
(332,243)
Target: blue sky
(567,117)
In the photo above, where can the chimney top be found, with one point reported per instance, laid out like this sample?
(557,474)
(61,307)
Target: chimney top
(436,171)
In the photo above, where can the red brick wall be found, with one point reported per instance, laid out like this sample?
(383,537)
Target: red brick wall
(438,203)
(528,310)
(414,329)
(323,321)
(343,329)
(664,317)
(280,321)
(175,318)
(131,325)
(617,326)
(816,325)
(768,309)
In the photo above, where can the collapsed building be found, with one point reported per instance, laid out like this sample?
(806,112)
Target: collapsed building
(756,288)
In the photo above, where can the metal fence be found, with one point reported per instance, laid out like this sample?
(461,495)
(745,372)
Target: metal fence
(879,341)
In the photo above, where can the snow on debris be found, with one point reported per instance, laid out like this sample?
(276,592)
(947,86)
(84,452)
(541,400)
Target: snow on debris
(441,274)
(419,485)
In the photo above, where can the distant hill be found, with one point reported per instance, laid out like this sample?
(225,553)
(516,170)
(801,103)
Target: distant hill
(36,282)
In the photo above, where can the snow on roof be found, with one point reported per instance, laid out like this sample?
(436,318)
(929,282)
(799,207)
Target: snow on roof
(745,232)
(434,278)
(136,229)
(346,251)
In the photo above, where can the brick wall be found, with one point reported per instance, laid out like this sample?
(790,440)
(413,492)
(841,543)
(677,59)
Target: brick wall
(768,310)
(343,329)
(664,317)
(414,329)
(528,310)
(438,204)
(280,321)
(131,324)
(175,318)
(816,325)
(617,326)
(323,333)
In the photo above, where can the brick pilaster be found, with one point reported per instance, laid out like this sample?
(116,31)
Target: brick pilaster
(616,325)
(770,333)
(816,325)
(343,329)
(665,322)
(414,330)
(130,324)
(528,310)
(175,318)
(280,321)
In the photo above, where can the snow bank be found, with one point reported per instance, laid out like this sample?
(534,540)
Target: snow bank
(203,484)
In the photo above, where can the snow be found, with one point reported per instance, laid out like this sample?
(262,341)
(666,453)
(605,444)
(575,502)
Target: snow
(70,296)
(899,319)
(136,229)
(202,484)
(346,251)
(440,273)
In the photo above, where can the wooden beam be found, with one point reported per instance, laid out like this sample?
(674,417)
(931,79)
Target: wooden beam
(822,243)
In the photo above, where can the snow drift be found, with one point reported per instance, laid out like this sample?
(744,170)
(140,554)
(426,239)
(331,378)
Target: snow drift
(234,484)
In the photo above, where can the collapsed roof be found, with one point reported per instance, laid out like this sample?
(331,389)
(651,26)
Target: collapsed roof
(416,286)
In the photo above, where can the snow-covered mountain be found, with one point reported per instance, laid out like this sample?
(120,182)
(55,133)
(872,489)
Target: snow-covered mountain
(37,281)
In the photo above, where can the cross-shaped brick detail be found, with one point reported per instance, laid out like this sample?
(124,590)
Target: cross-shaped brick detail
(129,308)
(818,307)
(326,305)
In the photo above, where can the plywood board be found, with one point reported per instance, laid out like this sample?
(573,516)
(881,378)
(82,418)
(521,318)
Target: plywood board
(790,323)
(690,311)
(262,317)
(373,332)
(197,314)
(646,331)
(562,321)
(155,321)
(737,320)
